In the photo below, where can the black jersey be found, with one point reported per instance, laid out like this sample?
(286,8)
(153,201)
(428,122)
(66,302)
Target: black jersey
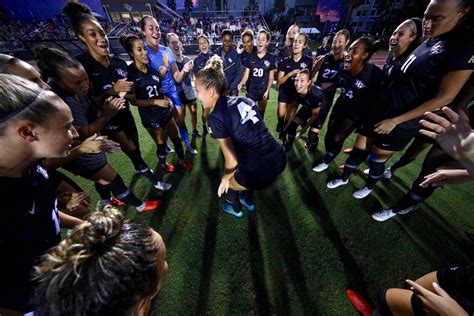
(323,50)
(420,75)
(313,99)
(101,77)
(328,73)
(200,61)
(29,226)
(259,72)
(239,119)
(359,93)
(244,55)
(282,53)
(288,65)
(148,87)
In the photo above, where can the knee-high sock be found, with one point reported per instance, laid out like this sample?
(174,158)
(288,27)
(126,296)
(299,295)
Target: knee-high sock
(313,137)
(140,165)
(183,131)
(178,147)
(232,197)
(161,152)
(102,190)
(122,192)
(250,196)
(352,163)
(280,124)
(375,173)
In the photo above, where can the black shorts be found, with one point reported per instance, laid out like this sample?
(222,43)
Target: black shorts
(396,140)
(458,282)
(264,175)
(286,96)
(87,165)
(157,117)
(123,121)
(184,100)
(304,113)
(255,96)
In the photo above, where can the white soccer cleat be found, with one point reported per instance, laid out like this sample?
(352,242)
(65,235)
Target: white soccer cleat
(191,150)
(320,167)
(163,186)
(336,183)
(362,193)
(387,174)
(385,214)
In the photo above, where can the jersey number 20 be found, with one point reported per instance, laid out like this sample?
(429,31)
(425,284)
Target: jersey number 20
(258,72)
(247,113)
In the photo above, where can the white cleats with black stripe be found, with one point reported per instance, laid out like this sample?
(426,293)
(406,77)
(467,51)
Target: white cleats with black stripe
(362,193)
(336,183)
(320,167)
(385,214)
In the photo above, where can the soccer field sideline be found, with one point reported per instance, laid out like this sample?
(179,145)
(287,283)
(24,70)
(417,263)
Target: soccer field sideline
(303,246)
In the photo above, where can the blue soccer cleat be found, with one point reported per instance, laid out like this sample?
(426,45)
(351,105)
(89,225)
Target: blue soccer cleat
(243,201)
(229,209)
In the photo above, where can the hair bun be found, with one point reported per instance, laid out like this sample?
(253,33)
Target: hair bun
(75,9)
(215,63)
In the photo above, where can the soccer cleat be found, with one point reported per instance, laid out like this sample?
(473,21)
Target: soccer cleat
(148,206)
(167,167)
(243,201)
(348,150)
(359,302)
(362,193)
(336,183)
(385,214)
(186,165)
(229,209)
(138,171)
(320,167)
(191,150)
(387,174)
(196,133)
(116,202)
(163,186)
(310,146)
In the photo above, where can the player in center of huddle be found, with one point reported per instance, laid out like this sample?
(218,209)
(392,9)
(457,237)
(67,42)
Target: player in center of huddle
(259,72)
(253,158)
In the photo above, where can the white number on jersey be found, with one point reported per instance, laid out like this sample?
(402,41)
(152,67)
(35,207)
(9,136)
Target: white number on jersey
(408,62)
(258,72)
(347,93)
(247,113)
(329,73)
(152,91)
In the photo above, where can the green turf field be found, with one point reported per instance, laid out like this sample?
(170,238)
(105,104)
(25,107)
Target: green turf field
(304,245)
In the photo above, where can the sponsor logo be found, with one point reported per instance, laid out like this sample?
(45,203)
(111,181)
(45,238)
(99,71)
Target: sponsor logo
(33,208)
(359,84)
(155,78)
(121,72)
(42,171)
(96,73)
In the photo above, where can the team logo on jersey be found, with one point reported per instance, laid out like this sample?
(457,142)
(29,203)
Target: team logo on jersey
(359,84)
(121,72)
(304,66)
(438,48)
(230,60)
(267,63)
(155,78)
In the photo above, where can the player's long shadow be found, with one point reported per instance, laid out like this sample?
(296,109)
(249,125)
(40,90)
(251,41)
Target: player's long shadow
(210,234)
(315,203)
(281,233)
(257,267)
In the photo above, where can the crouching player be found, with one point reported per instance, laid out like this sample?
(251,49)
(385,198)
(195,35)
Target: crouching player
(253,158)
(311,98)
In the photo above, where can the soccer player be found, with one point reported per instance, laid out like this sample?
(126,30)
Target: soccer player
(162,59)
(34,124)
(324,48)
(70,82)
(430,77)
(287,49)
(154,109)
(185,89)
(259,72)
(359,82)
(108,77)
(310,97)
(403,41)
(287,70)
(232,64)
(253,158)
(327,69)
(74,278)
(247,46)
(199,63)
